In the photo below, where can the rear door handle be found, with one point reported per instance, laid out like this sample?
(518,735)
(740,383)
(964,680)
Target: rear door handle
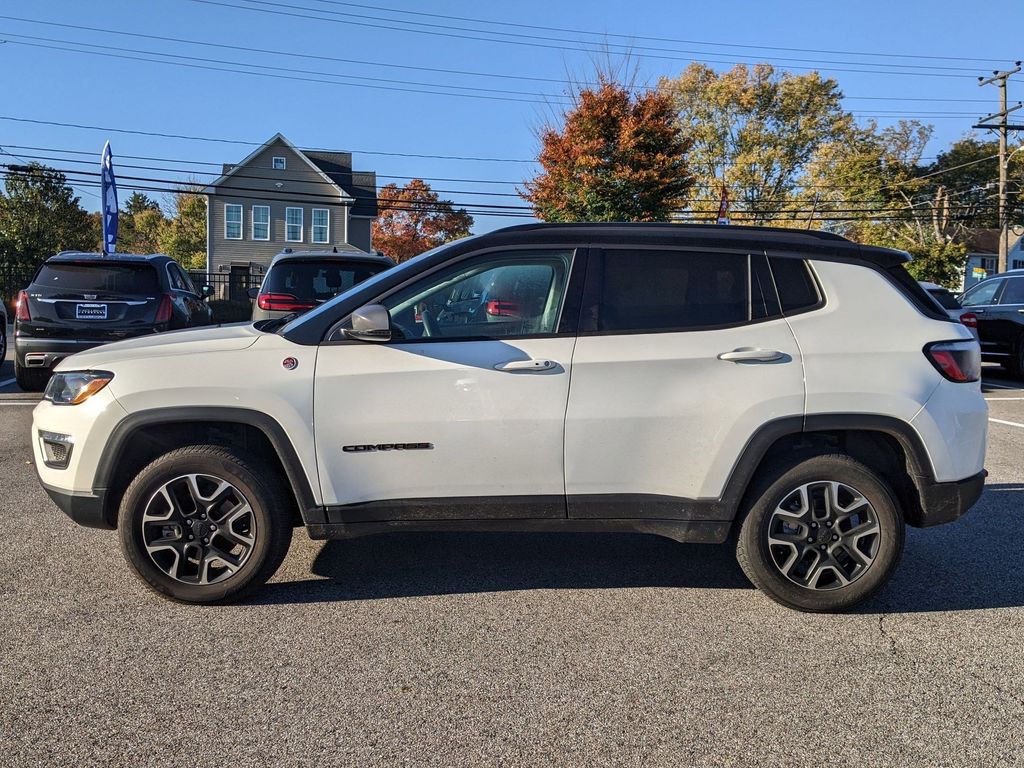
(751,355)
(526,365)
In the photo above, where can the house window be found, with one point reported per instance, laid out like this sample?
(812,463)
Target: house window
(232,222)
(261,222)
(321,225)
(293,225)
(280,163)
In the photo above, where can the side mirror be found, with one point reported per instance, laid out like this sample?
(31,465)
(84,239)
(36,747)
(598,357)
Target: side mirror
(371,322)
(253,293)
(206,291)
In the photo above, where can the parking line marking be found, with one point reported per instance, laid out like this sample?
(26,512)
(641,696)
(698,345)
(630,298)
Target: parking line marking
(1002,399)
(19,402)
(5,383)
(1008,423)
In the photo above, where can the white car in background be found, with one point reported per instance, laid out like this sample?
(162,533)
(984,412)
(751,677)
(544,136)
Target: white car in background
(951,305)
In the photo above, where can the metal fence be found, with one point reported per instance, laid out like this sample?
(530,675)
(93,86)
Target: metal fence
(230,299)
(12,280)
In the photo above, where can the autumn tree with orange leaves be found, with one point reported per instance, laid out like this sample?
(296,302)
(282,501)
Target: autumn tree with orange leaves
(619,156)
(413,219)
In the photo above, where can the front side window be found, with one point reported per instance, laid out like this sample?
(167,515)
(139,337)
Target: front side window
(232,222)
(665,290)
(293,225)
(321,225)
(981,295)
(261,222)
(503,295)
(1014,291)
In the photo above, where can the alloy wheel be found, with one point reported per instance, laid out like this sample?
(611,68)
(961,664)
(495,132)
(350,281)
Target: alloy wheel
(198,529)
(823,535)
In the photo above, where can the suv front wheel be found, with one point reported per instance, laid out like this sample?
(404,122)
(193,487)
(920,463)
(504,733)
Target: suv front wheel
(203,524)
(822,535)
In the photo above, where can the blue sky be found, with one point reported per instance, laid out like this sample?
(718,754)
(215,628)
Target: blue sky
(94,89)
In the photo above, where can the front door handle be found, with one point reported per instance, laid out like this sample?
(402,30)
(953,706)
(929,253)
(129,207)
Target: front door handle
(526,365)
(751,355)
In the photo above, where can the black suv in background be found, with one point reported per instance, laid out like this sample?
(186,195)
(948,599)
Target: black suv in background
(997,307)
(81,300)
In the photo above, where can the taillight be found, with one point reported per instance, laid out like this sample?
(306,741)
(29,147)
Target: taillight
(958,361)
(22,312)
(163,312)
(282,302)
(498,308)
(969,319)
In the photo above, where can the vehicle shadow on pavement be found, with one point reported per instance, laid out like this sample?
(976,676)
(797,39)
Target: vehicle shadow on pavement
(972,564)
(419,564)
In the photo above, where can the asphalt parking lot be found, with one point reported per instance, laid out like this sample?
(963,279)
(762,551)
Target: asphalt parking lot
(510,649)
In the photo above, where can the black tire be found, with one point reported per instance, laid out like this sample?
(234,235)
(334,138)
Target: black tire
(765,563)
(270,526)
(3,339)
(1015,367)
(31,379)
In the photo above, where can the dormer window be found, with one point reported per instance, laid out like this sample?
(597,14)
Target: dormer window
(279,164)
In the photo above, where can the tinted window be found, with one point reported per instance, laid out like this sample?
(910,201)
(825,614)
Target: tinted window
(175,277)
(99,278)
(1013,293)
(516,294)
(794,283)
(189,285)
(981,295)
(318,280)
(945,298)
(658,290)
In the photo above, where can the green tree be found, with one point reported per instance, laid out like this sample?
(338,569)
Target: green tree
(969,172)
(183,235)
(753,129)
(618,156)
(40,216)
(140,225)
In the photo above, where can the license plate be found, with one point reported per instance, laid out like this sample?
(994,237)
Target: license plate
(91,312)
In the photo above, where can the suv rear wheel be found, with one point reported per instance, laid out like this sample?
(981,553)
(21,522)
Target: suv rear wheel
(822,535)
(203,524)
(31,379)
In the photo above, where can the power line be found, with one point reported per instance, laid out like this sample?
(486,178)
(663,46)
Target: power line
(391,65)
(106,53)
(524,42)
(657,39)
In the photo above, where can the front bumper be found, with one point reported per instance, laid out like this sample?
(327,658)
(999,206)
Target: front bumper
(84,508)
(946,502)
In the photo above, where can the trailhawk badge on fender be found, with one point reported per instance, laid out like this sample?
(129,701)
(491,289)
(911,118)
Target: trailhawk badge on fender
(388,447)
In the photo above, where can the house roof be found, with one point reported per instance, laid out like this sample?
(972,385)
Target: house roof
(333,167)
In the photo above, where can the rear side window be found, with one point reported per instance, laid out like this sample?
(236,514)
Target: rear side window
(663,290)
(795,284)
(99,278)
(318,280)
(1013,293)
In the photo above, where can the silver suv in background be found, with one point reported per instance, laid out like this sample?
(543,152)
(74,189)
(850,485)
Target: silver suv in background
(299,280)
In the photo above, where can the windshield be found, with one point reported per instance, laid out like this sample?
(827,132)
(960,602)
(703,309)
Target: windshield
(945,298)
(405,267)
(99,278)
(318,280)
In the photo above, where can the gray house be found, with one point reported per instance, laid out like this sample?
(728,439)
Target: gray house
(283,197)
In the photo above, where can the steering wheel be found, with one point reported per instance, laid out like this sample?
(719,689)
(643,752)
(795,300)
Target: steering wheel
(429,323)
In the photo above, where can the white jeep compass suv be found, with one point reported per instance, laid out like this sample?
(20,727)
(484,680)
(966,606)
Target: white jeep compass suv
(793,392)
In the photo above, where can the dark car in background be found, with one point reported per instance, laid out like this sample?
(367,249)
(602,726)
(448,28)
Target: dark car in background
(996,307)
(3,332)
(299,280)
(81,300)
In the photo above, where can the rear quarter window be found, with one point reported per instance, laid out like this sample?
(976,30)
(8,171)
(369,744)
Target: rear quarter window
(795,284)
(99,278)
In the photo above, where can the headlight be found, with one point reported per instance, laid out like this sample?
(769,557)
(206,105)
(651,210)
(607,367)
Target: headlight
(75,387)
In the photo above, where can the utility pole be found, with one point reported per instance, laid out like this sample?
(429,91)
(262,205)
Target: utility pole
(1000,78)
